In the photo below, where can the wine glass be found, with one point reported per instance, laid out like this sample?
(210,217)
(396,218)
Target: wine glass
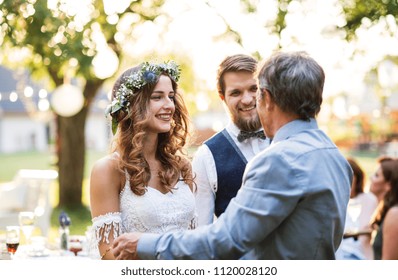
(27,221)
(76,243)
(12,239)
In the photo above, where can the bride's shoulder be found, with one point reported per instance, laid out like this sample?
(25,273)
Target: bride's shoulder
(106,164)
(106,170)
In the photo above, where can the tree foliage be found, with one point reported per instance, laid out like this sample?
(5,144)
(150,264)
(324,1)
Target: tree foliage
(56,42)
(54,35)
(356,11)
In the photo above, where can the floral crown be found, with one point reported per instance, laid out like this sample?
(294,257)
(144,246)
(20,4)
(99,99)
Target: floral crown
(148,74)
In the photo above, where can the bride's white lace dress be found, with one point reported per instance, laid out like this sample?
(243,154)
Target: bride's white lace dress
(152,212)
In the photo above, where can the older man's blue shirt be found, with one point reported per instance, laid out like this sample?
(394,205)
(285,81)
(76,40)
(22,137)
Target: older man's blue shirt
(292,205)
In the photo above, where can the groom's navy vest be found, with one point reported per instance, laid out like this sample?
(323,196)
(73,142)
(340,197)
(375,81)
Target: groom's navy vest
(230,165)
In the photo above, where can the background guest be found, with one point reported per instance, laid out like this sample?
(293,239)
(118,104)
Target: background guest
(385,244)
(378,184)
(361,205)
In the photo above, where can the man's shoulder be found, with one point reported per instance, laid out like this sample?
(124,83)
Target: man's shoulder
(294,150)
(273,153)
(307,141)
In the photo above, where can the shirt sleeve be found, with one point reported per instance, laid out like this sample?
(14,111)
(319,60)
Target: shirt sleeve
(267,197)
(204,168)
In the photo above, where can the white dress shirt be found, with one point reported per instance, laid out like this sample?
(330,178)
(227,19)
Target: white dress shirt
(204,168)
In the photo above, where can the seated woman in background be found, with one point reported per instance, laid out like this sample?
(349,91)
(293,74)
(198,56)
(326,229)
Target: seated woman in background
(378,184)
(385,245)
(365,204)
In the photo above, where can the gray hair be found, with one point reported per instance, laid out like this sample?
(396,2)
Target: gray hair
(295,83)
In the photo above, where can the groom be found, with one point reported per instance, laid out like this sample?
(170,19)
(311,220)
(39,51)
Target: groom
(294,195)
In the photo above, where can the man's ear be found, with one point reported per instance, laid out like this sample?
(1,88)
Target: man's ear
(221,96)
(269,103)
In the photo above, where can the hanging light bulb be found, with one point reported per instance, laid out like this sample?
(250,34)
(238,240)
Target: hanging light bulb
(67,100)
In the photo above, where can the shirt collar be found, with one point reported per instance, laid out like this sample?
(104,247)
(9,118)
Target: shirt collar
(294,127)
(232,129)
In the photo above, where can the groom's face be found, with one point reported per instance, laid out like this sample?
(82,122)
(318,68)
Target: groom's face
(240,99)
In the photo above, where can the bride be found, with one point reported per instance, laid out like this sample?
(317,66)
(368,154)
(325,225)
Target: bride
(145,184)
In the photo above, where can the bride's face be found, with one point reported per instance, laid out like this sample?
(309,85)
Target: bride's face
(161,106)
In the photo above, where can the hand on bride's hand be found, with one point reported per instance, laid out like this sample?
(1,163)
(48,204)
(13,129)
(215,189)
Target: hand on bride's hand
(125,246)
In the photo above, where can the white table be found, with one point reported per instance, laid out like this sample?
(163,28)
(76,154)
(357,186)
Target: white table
(25,252)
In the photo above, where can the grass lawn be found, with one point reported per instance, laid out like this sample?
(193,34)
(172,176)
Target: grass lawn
(11,163)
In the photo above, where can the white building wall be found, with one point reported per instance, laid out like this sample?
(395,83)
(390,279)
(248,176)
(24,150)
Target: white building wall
(97,132)
(19,133)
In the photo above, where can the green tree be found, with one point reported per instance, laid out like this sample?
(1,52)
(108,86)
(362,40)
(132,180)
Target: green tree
(365,13)
(356,11)
(275,26)
(62,44)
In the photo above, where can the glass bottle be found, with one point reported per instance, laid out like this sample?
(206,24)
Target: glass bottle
(64,237)
(64,222)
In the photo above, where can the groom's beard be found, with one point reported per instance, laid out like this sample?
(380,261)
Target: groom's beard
(252,124)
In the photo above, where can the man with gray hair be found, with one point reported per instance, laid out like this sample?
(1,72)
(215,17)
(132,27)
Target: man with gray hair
(294,194)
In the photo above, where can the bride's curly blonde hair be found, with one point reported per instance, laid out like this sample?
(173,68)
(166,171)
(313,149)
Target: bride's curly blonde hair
(131,130)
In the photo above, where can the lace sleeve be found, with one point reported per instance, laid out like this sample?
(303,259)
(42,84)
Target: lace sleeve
(104,225)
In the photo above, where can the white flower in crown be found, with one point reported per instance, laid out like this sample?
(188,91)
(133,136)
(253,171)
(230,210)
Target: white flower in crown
(148,74)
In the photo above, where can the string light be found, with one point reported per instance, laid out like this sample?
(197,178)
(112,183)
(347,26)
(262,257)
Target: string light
(31,104)
(38,101)
(28,92)
(13,96)
(43,105)
(43,93)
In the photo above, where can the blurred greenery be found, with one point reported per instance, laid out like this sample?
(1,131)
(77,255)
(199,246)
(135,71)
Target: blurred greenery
(355,11)
(80,219)
(367,160)
(11,163)
(80,215)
